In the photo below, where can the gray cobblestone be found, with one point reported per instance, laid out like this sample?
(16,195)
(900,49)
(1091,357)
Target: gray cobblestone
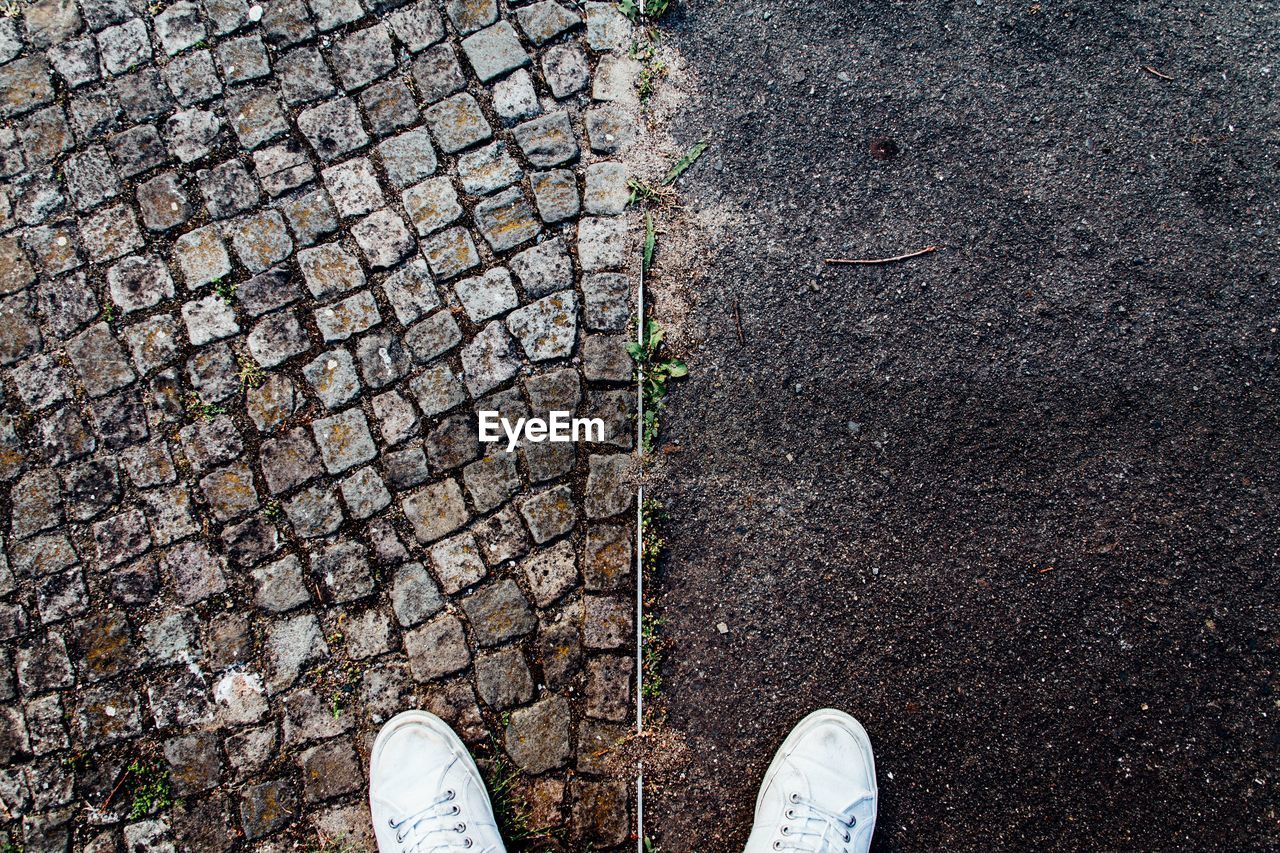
(162,168)
(607,28)
(228,189)
(503,678)
(192,78)
(243,59)
(609,129)
(406,467)
(255,116)
(551,572)
(314,512)
(545,20)
(434,336)
(437,389)
(179,27)
(123,46)
(470,15)
(435,511)
(362,56)
(398,418)
(329,270)
(408,157)
(417,26)
(514,98)
(565,69)
(282,167)
(277,338)
(548,140)
(348,316)
(280,586)
(494,50)
(163,202)
(538,736)
(289,460)
(311,216)
(549,514)
(506,220)
(437,73)
(489,360)
(499,613)
(303,76)
(489,169)
(560,648)
(353,186)
(286,23)
(193,133)
(344,571)
(383,238)
(457,123)
(556,193)
(437,648)
(390,106)
(364,493)
(414,595)
(271,403)
(344,440)
(487,295)
(333,129)
(209,318)
(544,268)
(546,328)
(201,256)
(260,240)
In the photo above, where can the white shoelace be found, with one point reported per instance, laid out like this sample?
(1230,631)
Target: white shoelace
(812,828)
(434,829)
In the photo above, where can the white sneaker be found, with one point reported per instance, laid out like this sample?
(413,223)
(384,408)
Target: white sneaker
(425,791)
(819,794)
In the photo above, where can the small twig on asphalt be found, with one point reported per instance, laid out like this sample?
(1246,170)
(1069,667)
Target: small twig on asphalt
(737,320)
(872,261)
(1153,72)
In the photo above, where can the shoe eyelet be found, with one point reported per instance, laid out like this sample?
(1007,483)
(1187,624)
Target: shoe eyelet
(793,797)
(847,838)
(786,830)
(466,842)
(455,810)
(461,827)
(790,814)
(853,821)
(777,845)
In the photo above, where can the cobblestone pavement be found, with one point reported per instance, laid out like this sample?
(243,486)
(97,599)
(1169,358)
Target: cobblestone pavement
(259,267)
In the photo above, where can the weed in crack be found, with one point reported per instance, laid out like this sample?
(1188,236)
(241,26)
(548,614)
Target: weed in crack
(654,369)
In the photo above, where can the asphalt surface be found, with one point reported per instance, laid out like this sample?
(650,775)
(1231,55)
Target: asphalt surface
(1013,504)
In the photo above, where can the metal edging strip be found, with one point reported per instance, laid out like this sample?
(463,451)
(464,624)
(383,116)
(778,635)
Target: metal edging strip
(640,574)
(640,558)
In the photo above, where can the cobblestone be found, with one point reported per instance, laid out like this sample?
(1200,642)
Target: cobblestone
(457,123)
(547,141)
(494,51)
(261,265)
(556,193)
(514,98)
(546,328)
(506,220)
(544,268)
